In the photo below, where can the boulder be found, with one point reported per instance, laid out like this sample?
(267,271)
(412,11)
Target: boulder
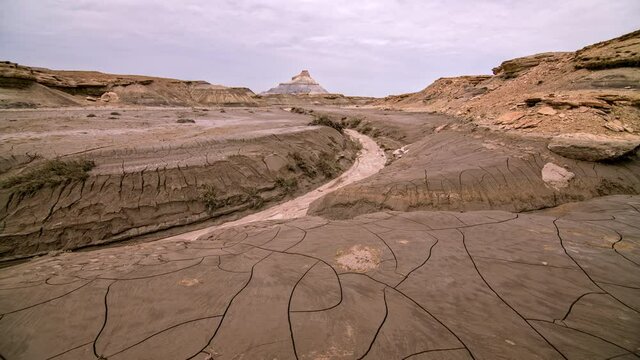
(109,96)
(556,176)
(590,147)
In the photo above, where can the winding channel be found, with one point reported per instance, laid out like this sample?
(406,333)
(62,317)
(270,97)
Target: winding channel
(370,160)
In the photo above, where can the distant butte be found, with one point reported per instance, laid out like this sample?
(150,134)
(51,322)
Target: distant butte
(302,83)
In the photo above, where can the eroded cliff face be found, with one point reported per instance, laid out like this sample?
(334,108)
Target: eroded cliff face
(29,87)
(138,191)
(594,90)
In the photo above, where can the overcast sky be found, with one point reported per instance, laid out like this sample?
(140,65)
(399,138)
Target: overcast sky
(372,47)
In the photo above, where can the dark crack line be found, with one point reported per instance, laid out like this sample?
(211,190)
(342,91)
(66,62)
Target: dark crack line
(70,350)
(339,286)
(315,258)
(621,355)
(464,244)
(584,271)
(293,341)
(304,236)
(224,314)
(320,260)
(583,332)
(432,350)
(49,300)
(423,263)
(464,226)
(576,301)
(421,307)
(67,283)
(613,246)
(156,275)
(162,331)
(395,259)
(386,313)
(104,323)
(266,242)
(219,266)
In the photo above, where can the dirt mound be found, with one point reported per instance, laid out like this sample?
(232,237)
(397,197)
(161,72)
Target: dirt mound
(23,86)
(594,90)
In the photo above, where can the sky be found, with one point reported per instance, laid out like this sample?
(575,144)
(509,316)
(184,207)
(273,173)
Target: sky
(354,47)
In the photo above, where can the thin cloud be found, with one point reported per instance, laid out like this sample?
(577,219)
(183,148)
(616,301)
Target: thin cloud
(372,47)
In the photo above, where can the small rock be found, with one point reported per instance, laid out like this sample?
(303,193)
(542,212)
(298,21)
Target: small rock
(399,152)
(510,117)
(440,128)
(562,116)
(547,110)
(556,176)
(614,125)
(528,123)
(91,98)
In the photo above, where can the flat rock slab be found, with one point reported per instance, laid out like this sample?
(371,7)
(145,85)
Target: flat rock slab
(562,283)
(590,147)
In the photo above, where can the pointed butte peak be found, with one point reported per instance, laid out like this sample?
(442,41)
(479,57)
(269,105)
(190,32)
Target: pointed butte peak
(302,83)
(303,77)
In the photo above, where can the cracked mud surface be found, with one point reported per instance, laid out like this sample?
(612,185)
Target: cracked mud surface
(560,283)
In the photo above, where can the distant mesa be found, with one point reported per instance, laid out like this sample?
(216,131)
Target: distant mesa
(302,83)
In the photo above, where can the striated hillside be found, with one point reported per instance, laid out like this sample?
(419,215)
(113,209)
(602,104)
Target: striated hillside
(29,87)
(595,90)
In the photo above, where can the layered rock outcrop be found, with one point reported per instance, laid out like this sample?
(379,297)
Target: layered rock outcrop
(24,86)
(595,90)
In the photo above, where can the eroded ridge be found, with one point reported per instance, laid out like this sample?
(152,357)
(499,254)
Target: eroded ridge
(563,283)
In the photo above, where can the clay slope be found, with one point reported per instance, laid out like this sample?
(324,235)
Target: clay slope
(139,190)
(595,90)
(23,86)
(445,164)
